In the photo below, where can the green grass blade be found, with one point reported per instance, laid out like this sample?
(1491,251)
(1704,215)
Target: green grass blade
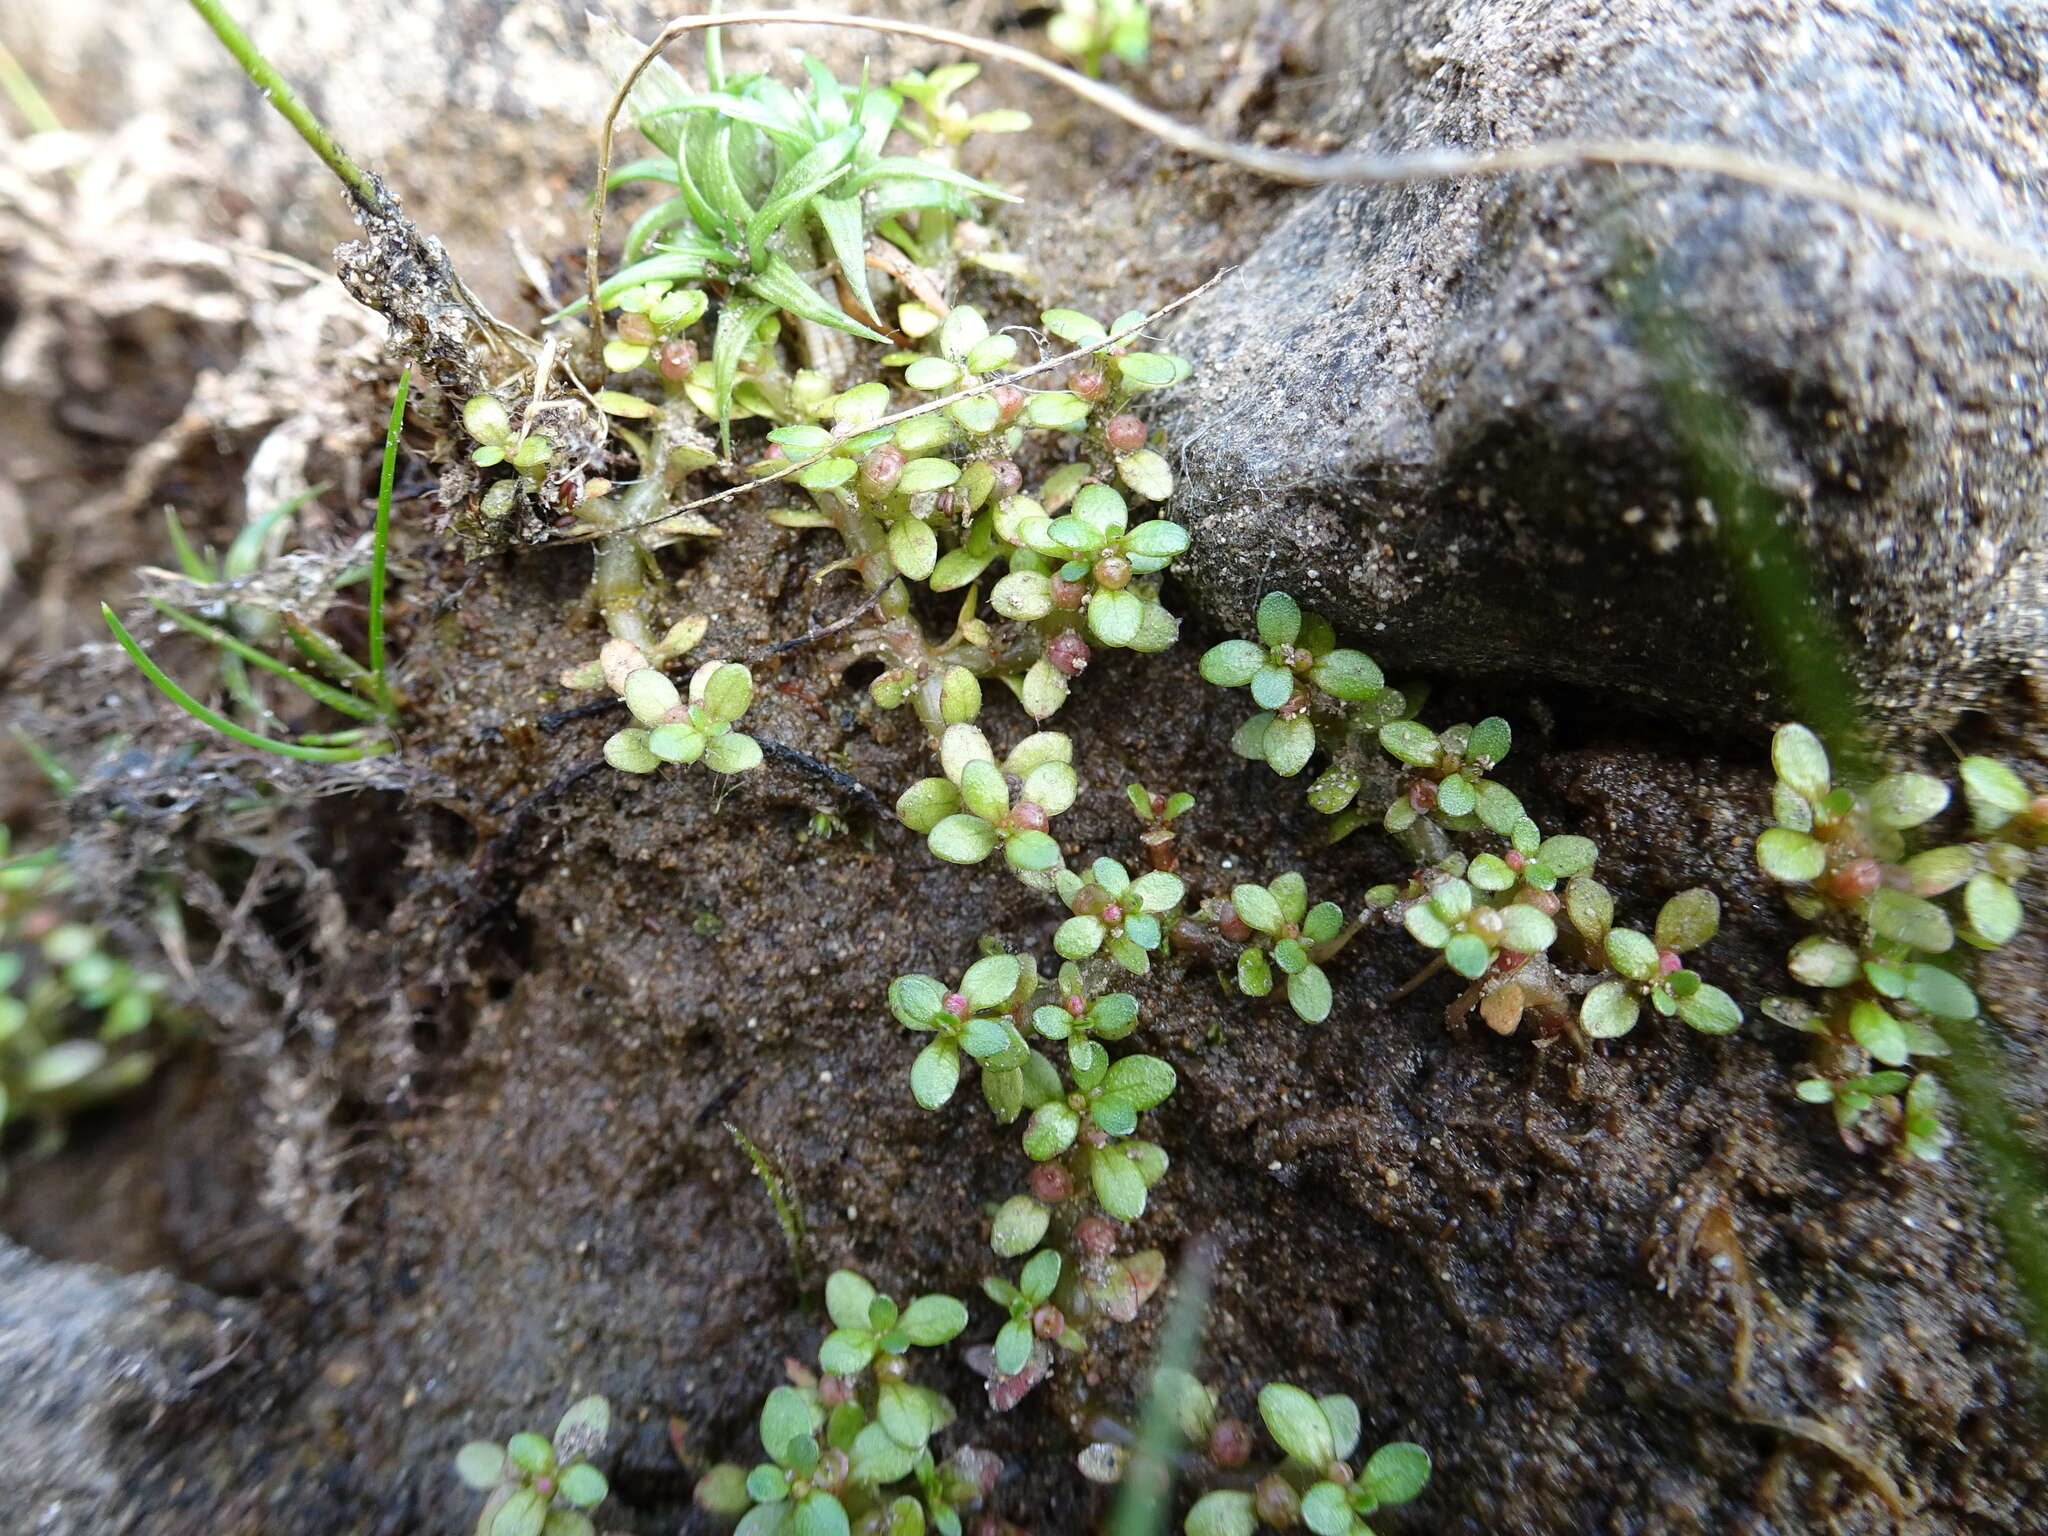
(234,677)
(380,543)
(239,649)
(195,565)
(289,107)
(247,549)
(40,858)
(1145,1503)
(782,1196)
(63,782)
(220,722)
(329,657)
(737,320)
(661,168)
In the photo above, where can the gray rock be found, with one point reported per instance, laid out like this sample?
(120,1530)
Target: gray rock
(1428,411)
(107,1374)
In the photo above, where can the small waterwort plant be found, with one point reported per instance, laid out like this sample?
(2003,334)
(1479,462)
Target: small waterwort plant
(1889,920)
(537,1485)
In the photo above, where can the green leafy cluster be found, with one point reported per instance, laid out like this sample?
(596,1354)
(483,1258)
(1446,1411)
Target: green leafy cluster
(1281,932)
(1117,915)
(1300,679)
(500,441)
(670,728)
(938,498)
(1157,814)
(78,1024)
(1887,922)
(1489,892)
(541,1486)
(1086,30)
(772,187)
(973,810)
(1091,1169)
(1315,1486)
(973,1020)
(851,1447)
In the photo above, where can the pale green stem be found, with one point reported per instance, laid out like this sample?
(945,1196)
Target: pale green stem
(281,96)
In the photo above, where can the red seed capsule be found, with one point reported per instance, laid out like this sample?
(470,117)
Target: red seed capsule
(832,1470)
(1051,1184)
(1231,926)
(1048,1322)
(1230,1443)
(882,468)
(1277,1504)
(1095,1236)
(1112,573)
(1009,401)
(1422,795)
(1088,383)
(834,1390)
(1068,594)
(637,329)
(1069,653)
(1029,816)
(1124,434)
(1855,880)
(956,1004)
(675,359)
(1009,478)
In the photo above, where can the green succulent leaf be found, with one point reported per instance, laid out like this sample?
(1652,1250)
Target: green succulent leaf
(1326,1511)
(1289,744)
(935,1074)
(1801,761)
(1297,1421)
(1397,1472)
(1609,1011)
(1710,1011)
(1909,920)
(1279,619)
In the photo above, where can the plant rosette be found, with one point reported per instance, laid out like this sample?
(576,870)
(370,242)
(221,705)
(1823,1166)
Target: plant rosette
(1316,1486)
(971,1021)
(1281,931)
(538,1486)
(651,317)
(1127,917)
(1109,379)
(1087,562)
(867,1324)
(498,441)
(1648,968)
(1294,672)
(1447,781)
(1022,1355)
(1839,851)
(1082,1022)
(1157,813)
(672,729)
(981,806)
(1099,1114)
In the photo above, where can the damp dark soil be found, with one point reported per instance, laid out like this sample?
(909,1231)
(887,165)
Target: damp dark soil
(1631,1290)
